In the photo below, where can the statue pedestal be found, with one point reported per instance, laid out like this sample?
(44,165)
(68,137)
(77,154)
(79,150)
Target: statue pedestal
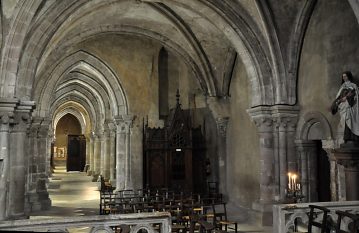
(348,156)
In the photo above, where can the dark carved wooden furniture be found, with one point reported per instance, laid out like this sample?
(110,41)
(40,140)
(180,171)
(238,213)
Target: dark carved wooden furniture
(174,156)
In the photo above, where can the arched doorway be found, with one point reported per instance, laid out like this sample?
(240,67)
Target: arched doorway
(70,145)
(314,164)
(323,172)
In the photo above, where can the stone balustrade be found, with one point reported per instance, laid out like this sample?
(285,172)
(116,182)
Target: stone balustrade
(286,216)
(98,223)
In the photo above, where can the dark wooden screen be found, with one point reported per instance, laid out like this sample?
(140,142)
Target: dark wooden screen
(174,156)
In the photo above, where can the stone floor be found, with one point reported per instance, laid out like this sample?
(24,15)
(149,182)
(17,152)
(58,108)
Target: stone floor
(73,194)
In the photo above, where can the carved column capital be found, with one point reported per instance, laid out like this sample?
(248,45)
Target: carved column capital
(100,134)
(222,123)
(22,117)
(7,108)
(93,136)
(112,129)
(262,118)
(286,117)
(124,123)
(6,118)
(44,127)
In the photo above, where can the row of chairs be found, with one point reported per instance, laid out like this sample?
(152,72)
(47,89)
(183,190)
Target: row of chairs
(208,213)
(326,224)
(112,203)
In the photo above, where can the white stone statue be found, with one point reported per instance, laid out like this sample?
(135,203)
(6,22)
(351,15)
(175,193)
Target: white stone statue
(346,102)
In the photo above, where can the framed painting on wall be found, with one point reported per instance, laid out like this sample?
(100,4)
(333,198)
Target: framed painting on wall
(61,152)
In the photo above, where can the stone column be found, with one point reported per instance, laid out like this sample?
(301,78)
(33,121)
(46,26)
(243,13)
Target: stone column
(282,152)
(31,196)
(50,141)
(112,151)
(220,109)
(43,153)
(328,146)
(307,155)
(286,118)
(88,149)
(264,122)
(97,156)
(276,127)
(120,153)
(123,158)
(222,123)
(18,160)
(277,160)
(6,115)
(91,169)
(128,120)
(103,152)
(106,158)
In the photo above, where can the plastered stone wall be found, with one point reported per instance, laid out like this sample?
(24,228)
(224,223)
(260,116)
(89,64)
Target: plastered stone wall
(330,47)
(242,144)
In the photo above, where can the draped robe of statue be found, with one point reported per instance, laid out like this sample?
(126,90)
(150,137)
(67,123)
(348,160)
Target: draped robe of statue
(348,110)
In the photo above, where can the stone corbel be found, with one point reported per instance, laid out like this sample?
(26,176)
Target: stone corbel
(222,123)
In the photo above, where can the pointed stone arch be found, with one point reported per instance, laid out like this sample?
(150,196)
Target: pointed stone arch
(49,81)
(75,109)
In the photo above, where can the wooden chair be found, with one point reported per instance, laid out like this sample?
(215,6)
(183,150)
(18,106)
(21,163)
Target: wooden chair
(220,219)
(105,186)
(353,225)
(322,225)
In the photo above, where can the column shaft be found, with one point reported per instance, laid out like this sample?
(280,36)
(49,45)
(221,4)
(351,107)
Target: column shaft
(106,170)
(91,155)
(17,166)
(283,166)
(4,166)
(112,157)
(97,156)
(120,158)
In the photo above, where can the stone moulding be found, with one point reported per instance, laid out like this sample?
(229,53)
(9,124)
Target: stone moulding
(138,221)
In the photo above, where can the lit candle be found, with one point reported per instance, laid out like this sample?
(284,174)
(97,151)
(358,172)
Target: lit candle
(289,180)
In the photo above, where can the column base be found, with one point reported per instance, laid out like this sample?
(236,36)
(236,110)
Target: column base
(86,168)
(95,176)
(18,216)
(264,213)
(36,201)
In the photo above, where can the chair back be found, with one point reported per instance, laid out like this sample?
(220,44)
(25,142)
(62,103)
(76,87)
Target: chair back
(219,212)
(321,224)
(353,222)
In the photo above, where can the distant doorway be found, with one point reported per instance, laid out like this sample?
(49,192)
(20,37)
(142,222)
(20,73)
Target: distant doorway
(68,129)
(76,153)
